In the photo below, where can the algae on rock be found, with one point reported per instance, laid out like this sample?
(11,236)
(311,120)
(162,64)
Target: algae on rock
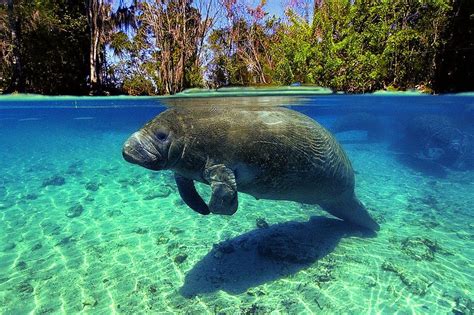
(415,285)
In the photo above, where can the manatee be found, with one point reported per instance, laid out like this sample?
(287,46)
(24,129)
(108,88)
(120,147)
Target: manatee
(436,139)
(267,152)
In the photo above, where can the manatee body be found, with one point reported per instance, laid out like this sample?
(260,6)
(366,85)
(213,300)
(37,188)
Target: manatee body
(269,153)
(435,138)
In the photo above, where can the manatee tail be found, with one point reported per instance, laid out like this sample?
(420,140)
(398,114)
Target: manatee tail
(350,209)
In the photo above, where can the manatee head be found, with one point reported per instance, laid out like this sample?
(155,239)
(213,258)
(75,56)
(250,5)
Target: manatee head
(156,146)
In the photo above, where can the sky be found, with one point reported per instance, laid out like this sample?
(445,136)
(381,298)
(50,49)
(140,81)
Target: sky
(273,7)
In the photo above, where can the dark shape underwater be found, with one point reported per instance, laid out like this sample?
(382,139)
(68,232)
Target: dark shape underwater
(434,144)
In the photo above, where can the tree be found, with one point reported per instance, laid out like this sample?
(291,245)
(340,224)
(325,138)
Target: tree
(6,49)
(455,64)
(17,82)
(242,48)
(97,15)
(44,47)
(104,24)
(165,46)
(178,31)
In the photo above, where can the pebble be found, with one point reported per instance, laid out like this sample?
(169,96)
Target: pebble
(180,258)
(74,211)
(54,181)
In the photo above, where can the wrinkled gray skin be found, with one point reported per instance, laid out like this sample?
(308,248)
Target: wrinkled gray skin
(269,153)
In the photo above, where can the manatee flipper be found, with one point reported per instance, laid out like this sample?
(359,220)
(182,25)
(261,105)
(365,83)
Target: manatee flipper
(350,209)
(224,189)
(190,196)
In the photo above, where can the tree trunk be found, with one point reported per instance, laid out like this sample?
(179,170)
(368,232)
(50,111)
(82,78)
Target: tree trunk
(17,83)
(95,9)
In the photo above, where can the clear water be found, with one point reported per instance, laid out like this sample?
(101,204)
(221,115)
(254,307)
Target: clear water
(81,230)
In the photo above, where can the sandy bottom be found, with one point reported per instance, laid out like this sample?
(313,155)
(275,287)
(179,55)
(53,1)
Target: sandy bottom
(83,231)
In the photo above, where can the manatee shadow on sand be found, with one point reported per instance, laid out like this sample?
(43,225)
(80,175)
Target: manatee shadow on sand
(266,254)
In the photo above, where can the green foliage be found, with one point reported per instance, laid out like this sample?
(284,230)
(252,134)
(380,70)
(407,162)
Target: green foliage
(352,46)
(455,65)
(138,85)
(52,42)
(6,50)
(194,76)
(136,71)
(119,43)
(53,54)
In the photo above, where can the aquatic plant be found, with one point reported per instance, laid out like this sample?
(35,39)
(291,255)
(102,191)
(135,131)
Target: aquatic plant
(414,284)
(464,306)
(420,248)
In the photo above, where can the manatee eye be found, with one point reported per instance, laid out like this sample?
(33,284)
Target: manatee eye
(161,135)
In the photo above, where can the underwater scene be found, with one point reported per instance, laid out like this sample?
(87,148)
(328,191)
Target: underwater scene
(98,218)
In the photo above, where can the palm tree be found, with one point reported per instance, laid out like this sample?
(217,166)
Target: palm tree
(103,22)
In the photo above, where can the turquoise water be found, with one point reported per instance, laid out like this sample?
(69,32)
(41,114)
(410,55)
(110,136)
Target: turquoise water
(82,230)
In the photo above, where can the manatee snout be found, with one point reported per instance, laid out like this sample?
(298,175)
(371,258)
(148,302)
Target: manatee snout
(143,150)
